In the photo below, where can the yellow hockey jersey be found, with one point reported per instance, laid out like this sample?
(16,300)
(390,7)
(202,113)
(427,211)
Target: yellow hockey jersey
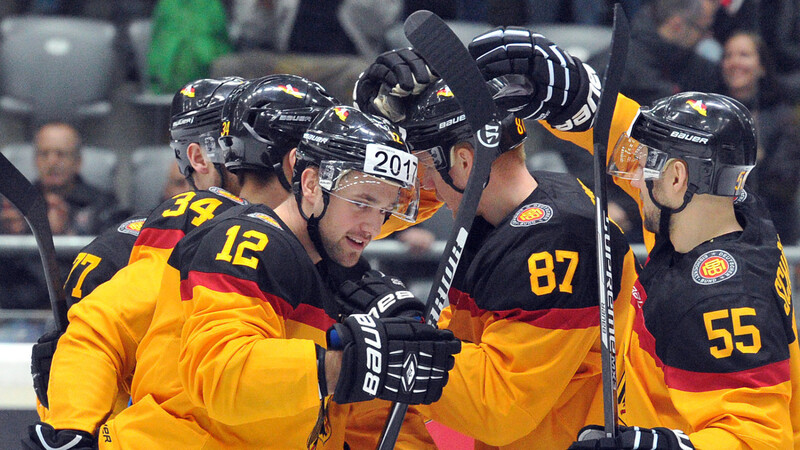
(525,305)
(233,365)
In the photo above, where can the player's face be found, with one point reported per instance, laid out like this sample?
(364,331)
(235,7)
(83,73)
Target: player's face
(354,216)
(57,158)
(650,212)
(431,179)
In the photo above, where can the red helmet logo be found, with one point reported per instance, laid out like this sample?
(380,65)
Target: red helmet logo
(444,92)
(342,113)
(291,90)
(698,106)
(188,91)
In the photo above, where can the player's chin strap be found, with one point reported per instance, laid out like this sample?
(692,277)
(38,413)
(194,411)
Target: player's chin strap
(278,168)
(220,170)
(190,180)
(667,212)
(312,222)
(445,174)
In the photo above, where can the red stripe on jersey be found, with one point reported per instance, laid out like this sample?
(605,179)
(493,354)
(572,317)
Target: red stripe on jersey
(647,341)
(159,238)
(226,283)
(769,375)
(463,301)
(312,316)
(553,318)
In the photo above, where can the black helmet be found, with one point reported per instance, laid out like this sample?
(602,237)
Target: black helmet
(343,139)
(195,117)
(436,123)
(265,118)
(714,134)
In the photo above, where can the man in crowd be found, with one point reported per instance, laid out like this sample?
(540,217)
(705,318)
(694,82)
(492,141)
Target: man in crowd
(87,209)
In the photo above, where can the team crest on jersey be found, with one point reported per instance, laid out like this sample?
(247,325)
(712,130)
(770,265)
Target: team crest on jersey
(132,227)
(713,267)
(291,90)
(698,106)
(266,219)
(531,215)
(223,193)
(741,197)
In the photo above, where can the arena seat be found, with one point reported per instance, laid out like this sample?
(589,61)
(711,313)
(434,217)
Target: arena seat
(56,67)
(150,166)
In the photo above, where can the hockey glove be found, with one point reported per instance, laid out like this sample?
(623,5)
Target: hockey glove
(632,438)
(41,359)
(42,436)
(565,92)
(395,359)
(380,296)
(384,87)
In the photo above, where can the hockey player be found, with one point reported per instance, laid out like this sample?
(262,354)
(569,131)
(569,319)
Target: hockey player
(198,159)
(524,299)
(97,354)
(710,355)
(249,348)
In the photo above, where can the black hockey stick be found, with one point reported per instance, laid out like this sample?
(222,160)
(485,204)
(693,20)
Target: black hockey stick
(602,125)
(445,53)
(29,201)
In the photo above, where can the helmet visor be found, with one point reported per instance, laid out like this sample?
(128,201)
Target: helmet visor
(432,158)
(347,181)
(632,160)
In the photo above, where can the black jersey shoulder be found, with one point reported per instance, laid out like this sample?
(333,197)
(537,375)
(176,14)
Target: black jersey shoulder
(99,260)
(190,209)
(719,295)
(543,255)
(256,249)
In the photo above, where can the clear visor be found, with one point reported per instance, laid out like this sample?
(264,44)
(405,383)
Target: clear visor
(432,158)
(346,181)
(632,160)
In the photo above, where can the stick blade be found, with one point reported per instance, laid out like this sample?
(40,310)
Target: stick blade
(612,79)
(445,53)
(29,201)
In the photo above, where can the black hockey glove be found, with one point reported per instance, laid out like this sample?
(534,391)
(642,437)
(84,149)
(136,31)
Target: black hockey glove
(42,436)
(380,296)
(564,92)
(632,438)
(41,360)
(395,359)
(383,88)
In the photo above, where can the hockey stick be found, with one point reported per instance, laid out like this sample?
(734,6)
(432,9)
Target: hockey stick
(445,53)
(605,112)
(29,201)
